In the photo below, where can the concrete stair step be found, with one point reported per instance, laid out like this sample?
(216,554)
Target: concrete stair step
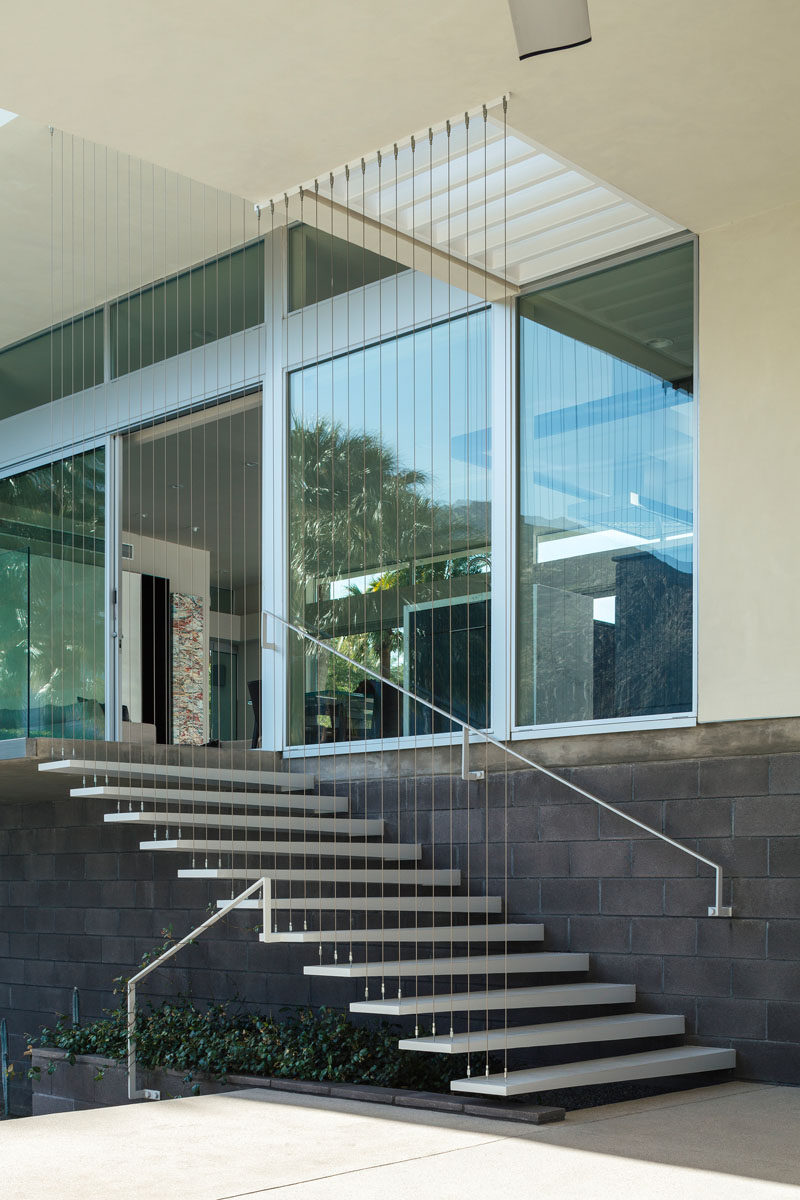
(190,773)
(360,904)
(622,1027)
(653,1064)
(419,934)
(410,876)
(292,801)
(385,851)
(346,826)
(483,964)
(563,995)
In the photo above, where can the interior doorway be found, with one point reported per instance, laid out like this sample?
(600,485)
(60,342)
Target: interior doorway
(190,593)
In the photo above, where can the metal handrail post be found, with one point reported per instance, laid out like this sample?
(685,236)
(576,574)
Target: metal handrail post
(718,909)
(265,884)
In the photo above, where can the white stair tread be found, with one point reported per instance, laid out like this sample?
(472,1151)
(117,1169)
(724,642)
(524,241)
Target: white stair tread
(653,1064)
(289,800)
(493,964)
(197,773)
(555,1033)
(346,826)
(315,904)
(420,934)
(560,995)
(389,851)
(390,876)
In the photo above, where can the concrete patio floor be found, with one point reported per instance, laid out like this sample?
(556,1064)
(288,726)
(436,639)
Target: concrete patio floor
(739,1141)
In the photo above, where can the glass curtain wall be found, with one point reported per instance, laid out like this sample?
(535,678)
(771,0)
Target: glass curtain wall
(606,486)
(52,589)
(390,546)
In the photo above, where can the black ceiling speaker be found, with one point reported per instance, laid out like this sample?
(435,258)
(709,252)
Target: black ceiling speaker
(541,26)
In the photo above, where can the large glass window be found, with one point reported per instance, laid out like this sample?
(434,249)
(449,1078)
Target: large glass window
(211,301)
(606,485)
(390,547)
(52,629)
(54,363)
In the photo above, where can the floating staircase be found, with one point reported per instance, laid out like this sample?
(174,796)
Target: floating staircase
(436,950)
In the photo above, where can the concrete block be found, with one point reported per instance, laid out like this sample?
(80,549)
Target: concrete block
(770,980)
(608,859)
(663,935)
(784,773)
(81,948)
(700,817)
(533,1114)
(770,816)
(775,1062)
(783,1021)
(565,822)
(305,1086)
(737,776)
(689,897)
(767,897)
(731,1017)
(665,780)
(117,950)
(632,897)
(655,859)
(646,971)
(363,1092)
(784,857)
(537,859)
(432,1101)
(697,976)
(649,812)
(69,920)
(570,896)
(45,1105)
(530,789)
(718,938)
(596,934)
(613,783)
(737,855)
(783,939)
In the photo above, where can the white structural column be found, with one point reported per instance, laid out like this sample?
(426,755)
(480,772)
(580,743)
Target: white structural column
(275,492)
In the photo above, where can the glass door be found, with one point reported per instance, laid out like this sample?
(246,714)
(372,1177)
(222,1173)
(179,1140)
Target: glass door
(52,611)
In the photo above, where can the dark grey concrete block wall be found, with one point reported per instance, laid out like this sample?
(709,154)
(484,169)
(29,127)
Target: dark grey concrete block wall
(637,905)
(79,906)
(80,903)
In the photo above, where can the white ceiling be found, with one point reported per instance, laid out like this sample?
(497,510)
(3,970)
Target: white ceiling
(688,107)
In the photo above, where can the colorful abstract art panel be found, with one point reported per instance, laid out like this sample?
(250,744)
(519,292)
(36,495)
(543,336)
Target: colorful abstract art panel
(189,670)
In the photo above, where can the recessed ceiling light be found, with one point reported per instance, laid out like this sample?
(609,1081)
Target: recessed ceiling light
(6,116)
(659,343)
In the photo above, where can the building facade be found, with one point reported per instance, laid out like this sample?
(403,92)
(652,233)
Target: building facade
(463,415)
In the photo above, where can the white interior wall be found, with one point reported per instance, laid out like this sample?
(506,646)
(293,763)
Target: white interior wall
(188,571)
(749,477)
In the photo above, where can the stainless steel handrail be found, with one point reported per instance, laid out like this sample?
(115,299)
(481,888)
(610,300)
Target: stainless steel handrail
(265,884)
(718,909)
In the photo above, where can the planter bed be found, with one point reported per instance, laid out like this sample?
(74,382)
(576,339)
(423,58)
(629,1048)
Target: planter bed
(97,1082)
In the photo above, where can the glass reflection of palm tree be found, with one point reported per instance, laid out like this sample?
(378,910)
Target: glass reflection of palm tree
(359,517)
